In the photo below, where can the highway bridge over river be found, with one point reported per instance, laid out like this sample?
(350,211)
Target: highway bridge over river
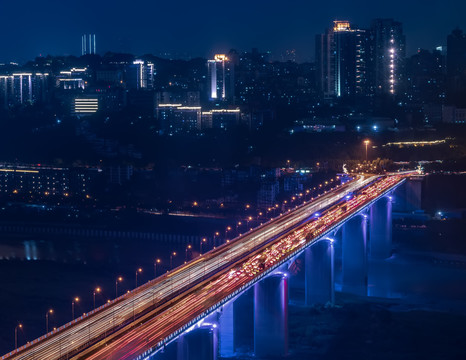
(141,323)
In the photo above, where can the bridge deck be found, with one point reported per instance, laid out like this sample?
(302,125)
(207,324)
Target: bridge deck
(145,319)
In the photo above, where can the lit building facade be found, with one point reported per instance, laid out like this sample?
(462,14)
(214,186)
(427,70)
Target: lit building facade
(176,119)
(388,54)
(73,79)
(23,88)
(220,78)
(88,45)
(221,119)
(85,105)
(45,181)
(341,57)
(140,75)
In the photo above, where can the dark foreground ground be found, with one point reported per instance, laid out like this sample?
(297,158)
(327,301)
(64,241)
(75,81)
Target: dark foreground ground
(370,328)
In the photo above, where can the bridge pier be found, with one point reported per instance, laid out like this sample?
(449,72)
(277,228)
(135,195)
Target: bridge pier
(271,316)
(408,197)
(198,344)
(381,228)
(319,273)
(226,332)
(236,325)
(354,257)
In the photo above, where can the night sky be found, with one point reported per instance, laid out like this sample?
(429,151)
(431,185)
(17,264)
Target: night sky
(29,28)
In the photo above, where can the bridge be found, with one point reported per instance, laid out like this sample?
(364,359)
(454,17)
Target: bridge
(201,294)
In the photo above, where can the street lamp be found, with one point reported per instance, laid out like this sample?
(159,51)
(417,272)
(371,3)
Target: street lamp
(226,231)
(171,258)
(47,320)
(96,291)
(366,143)
(247,222)
(157,261)
(19,326)
(117,280)
(186,252)
(138,271)
(237,225)
(215,237)
(75,300)
(202,242)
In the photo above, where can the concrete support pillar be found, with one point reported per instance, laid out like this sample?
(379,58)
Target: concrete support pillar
(381,228)
(236,325)
(226,337)
(296,281)
(408,197)
(271,317)
(354,258)
(319,274)
(198,344)
(244,322)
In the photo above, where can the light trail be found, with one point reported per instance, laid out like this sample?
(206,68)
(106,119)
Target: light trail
(168,294)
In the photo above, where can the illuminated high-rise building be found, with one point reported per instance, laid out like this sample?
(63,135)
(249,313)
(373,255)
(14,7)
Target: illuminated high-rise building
(387,56)
(220,78)
(341,60)
(324,64)
(88,45)
(21,88)
(140,75)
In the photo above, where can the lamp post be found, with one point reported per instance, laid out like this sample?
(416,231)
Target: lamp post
(238,224)
(75,300)
(19,326)
(366,143)
(186,252)
(96,291)
(202,242)
(215,237)
(47,320)
(157,261)
(171,259)
(117,280)
(247,222)
(226,232)
(138,271)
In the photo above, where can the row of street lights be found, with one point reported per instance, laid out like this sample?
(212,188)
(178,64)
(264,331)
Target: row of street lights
(157,261)
(272,210)
(98,290)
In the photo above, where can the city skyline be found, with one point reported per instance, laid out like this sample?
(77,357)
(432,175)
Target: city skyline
(199,31)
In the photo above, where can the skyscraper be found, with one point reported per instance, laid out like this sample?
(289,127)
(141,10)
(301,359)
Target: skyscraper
(140,75)
(387,54)
(23,88)
(88,45)
(220,78)
(456,67)
(341,60)
(324,64)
